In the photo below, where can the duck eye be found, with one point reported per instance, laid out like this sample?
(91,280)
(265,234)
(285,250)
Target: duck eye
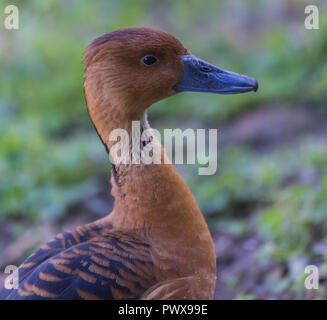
(149,60)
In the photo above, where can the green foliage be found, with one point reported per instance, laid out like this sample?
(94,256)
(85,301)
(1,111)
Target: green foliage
(298,213)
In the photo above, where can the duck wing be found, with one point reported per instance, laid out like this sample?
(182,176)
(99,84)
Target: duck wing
(86,264)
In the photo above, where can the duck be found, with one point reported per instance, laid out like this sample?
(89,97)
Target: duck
(155,244)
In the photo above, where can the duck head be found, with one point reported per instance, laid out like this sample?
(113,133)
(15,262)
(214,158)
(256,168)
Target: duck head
(128,70)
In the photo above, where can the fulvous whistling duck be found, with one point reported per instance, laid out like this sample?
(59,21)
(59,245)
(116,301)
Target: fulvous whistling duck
(155,244)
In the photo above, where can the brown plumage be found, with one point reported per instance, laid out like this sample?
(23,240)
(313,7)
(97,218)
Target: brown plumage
(155,243)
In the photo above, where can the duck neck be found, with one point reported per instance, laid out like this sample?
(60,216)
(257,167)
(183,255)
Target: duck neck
(152,200)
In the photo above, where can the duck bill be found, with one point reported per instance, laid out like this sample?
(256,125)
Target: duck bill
(201,76)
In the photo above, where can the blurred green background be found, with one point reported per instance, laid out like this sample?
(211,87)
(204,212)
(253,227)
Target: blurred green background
(267,204)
